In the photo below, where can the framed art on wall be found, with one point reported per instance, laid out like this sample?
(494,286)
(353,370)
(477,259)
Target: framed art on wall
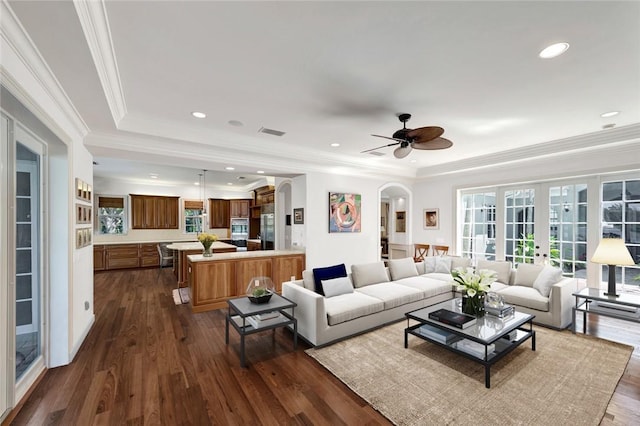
(431,219)
(344,212)
(401,222)
(298,216)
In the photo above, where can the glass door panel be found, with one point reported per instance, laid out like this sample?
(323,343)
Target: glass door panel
(568,229)
(27,255)
(519,223)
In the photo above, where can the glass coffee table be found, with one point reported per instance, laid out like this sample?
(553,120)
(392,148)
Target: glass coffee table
(487,341)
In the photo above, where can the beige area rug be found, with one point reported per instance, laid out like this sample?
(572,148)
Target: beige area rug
(569,379)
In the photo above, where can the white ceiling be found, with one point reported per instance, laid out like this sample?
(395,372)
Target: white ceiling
(336,72)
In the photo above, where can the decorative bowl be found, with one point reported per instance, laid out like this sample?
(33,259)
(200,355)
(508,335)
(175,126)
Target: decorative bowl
(260,299)
(260,289)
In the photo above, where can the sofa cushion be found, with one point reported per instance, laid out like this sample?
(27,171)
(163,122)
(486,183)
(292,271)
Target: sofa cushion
(503,269)
(430,264)
(337,286)
(547,278)
(402,268)
(369,273)
(429,286)
(443,264)
(347,307)
(392,294)
(460,262)
(525,296)
(327,273)
(439,276)
(526,274)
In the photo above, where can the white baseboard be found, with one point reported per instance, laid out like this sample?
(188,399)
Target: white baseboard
(83,336)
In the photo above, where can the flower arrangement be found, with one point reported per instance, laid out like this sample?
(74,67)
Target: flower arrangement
(207,240)
(474,285)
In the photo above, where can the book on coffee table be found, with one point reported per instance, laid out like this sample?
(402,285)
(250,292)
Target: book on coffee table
(455,319)
(438,335)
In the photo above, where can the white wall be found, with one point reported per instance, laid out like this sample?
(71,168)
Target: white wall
(323,248)
(299,200)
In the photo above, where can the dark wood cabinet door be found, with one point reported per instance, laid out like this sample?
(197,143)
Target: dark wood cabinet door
(172,213)
(219,213)
(137,212)
(240,208)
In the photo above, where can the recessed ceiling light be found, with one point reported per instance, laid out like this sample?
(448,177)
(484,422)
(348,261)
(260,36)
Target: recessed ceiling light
(335,145)
(153,175)
(196,183)
(229,168)
(554,50)
(198,114)
(413,161)
(236,123)
(229,183)
(609,114)
(260,172)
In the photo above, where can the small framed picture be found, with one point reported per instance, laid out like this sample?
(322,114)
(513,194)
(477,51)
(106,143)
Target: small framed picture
(401,222)
(79,238)
(298,216)
(431,219)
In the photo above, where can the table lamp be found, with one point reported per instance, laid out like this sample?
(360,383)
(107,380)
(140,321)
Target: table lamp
(612,252)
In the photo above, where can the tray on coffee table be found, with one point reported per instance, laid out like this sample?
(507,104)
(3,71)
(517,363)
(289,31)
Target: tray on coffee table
(487,341)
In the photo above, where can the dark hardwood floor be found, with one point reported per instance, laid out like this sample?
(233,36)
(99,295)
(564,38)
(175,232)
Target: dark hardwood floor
(148,361)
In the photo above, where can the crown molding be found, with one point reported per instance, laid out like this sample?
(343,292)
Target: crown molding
(620,136)
(16,38)
(95,25)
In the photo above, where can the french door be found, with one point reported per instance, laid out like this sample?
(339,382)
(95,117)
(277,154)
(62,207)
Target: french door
(535,223)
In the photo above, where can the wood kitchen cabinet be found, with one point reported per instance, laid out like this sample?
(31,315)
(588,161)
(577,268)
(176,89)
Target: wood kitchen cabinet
(148,254)
(240,208)
(154,212)
(219,213)
(121,256)
(98,258)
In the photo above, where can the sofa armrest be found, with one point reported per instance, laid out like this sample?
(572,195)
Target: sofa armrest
(561,302)
(310,312)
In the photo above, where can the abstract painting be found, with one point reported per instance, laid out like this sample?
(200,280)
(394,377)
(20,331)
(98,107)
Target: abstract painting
(344,212)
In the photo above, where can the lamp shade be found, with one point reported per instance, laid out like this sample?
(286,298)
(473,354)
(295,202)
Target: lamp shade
(612,251)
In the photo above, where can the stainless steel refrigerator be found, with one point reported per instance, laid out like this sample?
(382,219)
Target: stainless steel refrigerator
(267,231)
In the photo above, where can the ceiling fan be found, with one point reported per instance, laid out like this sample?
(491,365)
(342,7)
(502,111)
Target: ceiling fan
(421,138)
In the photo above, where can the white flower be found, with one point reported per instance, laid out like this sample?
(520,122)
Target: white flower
(466,279)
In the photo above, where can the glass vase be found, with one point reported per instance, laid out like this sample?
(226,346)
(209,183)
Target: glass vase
(207,250)
(473,305)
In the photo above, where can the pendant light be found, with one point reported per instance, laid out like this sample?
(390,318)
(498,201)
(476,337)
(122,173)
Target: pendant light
(204,192)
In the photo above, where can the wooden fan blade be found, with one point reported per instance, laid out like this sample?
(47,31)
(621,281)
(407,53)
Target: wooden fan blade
(424,134)
(383,146)
(393,139)
(433,144)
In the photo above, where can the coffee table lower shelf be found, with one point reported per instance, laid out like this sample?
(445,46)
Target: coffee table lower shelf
(502,345)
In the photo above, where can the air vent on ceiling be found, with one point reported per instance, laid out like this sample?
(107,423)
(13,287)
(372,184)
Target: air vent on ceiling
(95,163)
(376,153)
(270,131)
(241,178)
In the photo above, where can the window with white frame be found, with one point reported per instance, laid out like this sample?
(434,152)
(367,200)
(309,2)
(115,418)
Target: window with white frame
(193,217)
(621,219)
(479,225)
(112,215)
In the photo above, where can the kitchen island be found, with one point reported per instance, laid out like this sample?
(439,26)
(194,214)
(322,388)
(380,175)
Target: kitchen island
(182,250)
(213,280)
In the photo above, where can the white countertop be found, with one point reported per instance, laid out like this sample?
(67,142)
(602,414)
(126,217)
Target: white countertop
(243,255)
(198,246)
(110,243)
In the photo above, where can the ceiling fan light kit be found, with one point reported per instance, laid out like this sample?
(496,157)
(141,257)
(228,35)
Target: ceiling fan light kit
(424,138)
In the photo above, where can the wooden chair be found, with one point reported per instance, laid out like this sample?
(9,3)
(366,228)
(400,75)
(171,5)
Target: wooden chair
(440,250)
(420,252)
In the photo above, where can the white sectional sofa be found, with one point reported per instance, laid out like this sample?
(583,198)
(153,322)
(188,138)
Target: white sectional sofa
(374,295)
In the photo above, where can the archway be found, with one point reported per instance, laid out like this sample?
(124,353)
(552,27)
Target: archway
(283,216)
(395,205)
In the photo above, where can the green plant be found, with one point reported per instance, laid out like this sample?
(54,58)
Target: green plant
(259,292)
(525,251)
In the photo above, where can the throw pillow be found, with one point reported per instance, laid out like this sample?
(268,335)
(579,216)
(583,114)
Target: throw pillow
(430,264)
(369,273)
(503,269)
(330,272)
(443,265)
(337,286)
(526,274)
(402,268)
(547,277)
(460,262)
